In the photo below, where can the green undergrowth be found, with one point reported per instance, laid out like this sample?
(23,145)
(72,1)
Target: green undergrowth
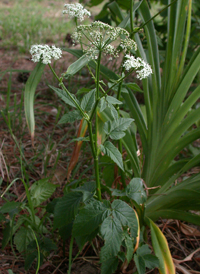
(24,23)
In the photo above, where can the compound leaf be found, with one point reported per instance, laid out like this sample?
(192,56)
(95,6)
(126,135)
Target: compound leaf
(66,208)
(88,101)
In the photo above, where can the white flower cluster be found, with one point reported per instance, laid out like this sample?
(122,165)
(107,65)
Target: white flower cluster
(100,36)
(44,53)
(142,68)
(76,10)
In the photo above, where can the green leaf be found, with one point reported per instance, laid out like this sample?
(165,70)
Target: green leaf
(6,235)
(65,97)
(70,117)
(30,259)
(81,240)
(66,231)
(115,129)
(11,208)
(22,238)
(29,94)
(109,266)
(112,100)
(143,250)
(151,261)
(126,215)
(88,101)
(161,249)
(40,191)
(66,208)
(140,264)
(135,191)
(111,151)
(111,230)
(129,247)
(77,65)
(88,190)
(134,87)
(91,216)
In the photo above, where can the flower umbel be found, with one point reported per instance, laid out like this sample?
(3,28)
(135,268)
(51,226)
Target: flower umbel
(44,53)
(77,11)
(143,69)
(98,37)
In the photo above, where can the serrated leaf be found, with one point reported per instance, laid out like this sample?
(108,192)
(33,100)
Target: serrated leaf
(40,191)
(70,117)
(66,208)
(140,264)
(115,129)
(151,261)
(135,191)
(88,101)
(143,250)
(111,230)
(129,247)
(113,111)
(111,151)
(91,216)
(102,104)
(109,266)
(126,215)
(22,238)
(87,189)
(65,97)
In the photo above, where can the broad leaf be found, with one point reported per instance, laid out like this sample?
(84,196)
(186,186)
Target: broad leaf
(70,117)
(89,218)
(66,208)
(22,238)
(135,191)
(87,189)
(140,264)
(126,215)
(109,266)
(88,101)
(111,230)
(40,191)
(129,247)
(115,129)
(111,151)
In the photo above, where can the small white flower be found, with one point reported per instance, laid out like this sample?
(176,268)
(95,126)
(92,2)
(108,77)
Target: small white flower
(142,68)
(44,53)
(76,10)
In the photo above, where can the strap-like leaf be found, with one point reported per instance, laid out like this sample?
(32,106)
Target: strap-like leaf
(161,249)
(29,94)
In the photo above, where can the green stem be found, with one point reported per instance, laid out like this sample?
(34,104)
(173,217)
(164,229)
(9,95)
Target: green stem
(131,20)
(96,159)
(106,92)
(120,141)
(69,94)
(70,255)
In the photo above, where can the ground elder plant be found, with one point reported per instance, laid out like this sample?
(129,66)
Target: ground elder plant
(85,211)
